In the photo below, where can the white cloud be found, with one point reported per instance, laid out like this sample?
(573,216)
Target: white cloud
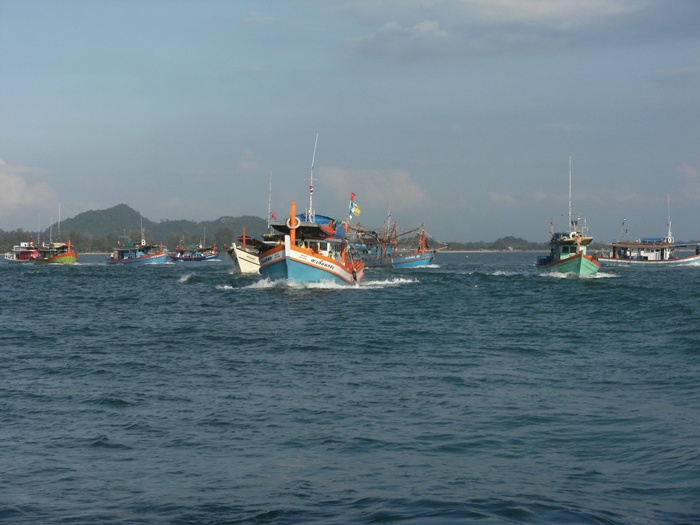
(378,190)
(418,30)
(17,194)
(248,160)
(502,199)
(393,40)
(690,182)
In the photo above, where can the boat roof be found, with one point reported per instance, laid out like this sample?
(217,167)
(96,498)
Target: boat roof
(647,243)
(323,227)
(570,238)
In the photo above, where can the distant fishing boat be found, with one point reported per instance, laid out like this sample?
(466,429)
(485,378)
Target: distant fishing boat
(649,251)
(22,252)
(52,252)
(193,253)
(568,248)
(56,253)
(387,249)
(138,253)
(419,257)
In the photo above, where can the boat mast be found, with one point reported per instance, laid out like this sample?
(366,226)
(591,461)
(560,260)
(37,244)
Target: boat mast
(143,238)
(310,215)
(571,222)
(269,203)
(669,237)
(59,221)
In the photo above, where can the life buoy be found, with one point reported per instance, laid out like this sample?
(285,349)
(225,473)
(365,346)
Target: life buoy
(572,235)
(289,223)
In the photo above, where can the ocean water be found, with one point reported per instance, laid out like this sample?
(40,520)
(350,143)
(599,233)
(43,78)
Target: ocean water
(479,390)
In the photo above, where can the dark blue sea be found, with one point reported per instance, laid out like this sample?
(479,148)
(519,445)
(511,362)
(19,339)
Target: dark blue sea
(479,390)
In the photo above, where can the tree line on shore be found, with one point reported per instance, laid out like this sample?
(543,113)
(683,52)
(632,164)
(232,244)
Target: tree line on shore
(102,230)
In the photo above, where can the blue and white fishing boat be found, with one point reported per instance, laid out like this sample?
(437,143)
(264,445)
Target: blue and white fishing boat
(650,251)
(311,248)
(135,253)
(138,253)
(194,252)
(386,249)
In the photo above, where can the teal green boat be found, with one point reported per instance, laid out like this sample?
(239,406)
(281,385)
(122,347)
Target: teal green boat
(568,249)
(568,254)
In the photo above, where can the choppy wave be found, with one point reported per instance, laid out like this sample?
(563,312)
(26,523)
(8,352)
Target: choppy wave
(484,391)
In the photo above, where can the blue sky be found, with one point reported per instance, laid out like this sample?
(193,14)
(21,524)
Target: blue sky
(458,114)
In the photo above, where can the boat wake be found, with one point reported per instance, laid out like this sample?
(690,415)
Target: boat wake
(185,278)
(386,283)
(598,275)
(266,284)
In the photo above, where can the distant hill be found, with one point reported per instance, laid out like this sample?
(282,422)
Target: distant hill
(125,221)
(100,230)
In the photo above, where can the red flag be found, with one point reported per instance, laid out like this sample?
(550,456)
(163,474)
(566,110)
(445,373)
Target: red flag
(352,196)
(274,216)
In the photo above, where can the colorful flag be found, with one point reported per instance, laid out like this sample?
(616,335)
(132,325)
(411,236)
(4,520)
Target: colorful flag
(355,209)
(274,216)
(311,190)
(352,196)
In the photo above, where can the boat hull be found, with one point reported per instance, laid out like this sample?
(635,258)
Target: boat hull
(194,258)
(247,262)
(578,265)
(413,260)
(159,258)
(64,258)
(297,264)
(682,261)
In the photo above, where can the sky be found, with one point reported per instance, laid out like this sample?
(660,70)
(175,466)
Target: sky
(458,114)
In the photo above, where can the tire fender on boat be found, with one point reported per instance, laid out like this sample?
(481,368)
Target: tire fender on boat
(289,223)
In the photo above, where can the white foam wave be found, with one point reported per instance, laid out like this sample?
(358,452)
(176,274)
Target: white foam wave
(186,277)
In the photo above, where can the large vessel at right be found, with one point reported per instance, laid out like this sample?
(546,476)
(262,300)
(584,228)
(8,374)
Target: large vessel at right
(650,251)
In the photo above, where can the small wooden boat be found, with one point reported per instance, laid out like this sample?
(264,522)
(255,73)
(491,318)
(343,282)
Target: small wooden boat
(138,253)
(194,252)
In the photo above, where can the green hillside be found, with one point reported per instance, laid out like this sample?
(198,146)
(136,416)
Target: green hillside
(99,230)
